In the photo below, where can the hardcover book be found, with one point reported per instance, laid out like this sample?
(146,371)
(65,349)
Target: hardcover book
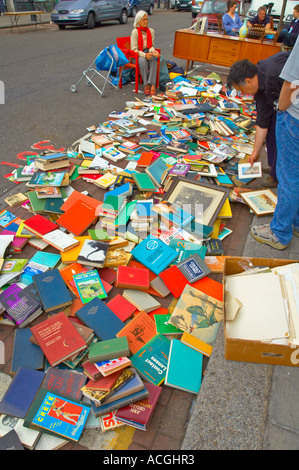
(56,414)
(60,240)
(154,254)
(93,253)
(58,338)
(139,414)
(19,305)
(25,353)
(39,225)
(113,365)
(151,360)
(103,383)
(65,381)
(143,182)
(194,268)
(77,218)
(142,300)
(138,331)
(101,396)
(109,349)
(49,282)
(89,286)
(97,316)
(132,278)
(121,307)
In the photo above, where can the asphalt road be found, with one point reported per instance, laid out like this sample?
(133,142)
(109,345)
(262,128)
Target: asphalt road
(38,68)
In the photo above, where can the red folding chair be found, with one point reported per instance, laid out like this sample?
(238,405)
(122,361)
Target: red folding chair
(124,43)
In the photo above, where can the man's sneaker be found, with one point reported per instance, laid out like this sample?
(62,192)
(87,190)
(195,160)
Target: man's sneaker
(264,234)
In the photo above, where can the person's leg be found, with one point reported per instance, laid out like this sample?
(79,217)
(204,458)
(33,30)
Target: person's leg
(286,213)
(144,72)
(284,37)
(271,147)
(152,75)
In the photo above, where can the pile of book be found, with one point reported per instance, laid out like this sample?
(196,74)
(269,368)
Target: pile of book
(117,300)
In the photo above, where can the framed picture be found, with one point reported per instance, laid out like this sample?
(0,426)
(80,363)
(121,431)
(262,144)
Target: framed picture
(204,169)
(245,170)
(261,201)
(203,200)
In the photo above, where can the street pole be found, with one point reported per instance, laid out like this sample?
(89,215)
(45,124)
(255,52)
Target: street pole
(282,14)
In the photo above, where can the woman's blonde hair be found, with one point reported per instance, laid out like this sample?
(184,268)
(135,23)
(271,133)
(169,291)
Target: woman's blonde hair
(139,17)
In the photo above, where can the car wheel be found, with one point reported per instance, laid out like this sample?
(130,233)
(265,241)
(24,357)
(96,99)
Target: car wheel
(123,17)
(194,15)
(134,11)
(61,26)
(151,9)
(90,21)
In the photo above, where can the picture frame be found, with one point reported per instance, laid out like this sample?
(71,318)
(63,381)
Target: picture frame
(204,169)
(245,170)
(260,201)
(203,200)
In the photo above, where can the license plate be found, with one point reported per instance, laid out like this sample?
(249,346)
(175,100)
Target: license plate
(63,17)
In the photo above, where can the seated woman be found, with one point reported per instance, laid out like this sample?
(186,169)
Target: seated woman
(231,21)
(142,41)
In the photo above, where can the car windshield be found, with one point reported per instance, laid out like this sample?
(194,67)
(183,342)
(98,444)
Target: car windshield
(214,7)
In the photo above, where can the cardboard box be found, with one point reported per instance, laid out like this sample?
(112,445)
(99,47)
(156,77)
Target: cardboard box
(256,351)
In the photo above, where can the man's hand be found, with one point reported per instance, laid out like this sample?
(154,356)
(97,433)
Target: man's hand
(253,157)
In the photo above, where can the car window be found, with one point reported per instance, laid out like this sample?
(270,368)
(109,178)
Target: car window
(214,7)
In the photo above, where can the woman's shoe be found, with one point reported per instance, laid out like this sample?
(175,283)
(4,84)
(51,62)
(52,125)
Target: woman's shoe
(153,90)
(147,89)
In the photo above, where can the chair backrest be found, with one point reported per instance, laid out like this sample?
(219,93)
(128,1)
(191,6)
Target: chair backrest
(124,42)
(256,32)
(219,24)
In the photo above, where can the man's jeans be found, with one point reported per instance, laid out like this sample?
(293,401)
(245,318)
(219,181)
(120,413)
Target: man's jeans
(286,215)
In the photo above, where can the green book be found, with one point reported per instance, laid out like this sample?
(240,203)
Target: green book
(38,205)
(143,182)
(165,328)
(108,349)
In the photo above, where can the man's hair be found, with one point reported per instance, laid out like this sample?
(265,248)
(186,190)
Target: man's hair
(296,7)
(262,8)
(239,71)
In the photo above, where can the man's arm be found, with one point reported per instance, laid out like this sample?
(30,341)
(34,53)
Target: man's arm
(260,137)
(287,95)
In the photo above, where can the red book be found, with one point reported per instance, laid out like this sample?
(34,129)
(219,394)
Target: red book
(210,287)
(121,307)
(145,159)
(107,274)
(58,338)
(138,414)
(78,218)
(91,371)
(77,196)
(132,278)
(39,225)
(104,383)
(174,280)
(158,311)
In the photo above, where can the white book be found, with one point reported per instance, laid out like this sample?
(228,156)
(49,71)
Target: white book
(60,240)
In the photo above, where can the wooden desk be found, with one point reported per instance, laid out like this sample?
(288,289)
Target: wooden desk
(219,49)
(15,15)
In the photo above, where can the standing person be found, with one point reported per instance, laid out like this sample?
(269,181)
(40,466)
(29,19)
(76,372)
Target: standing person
(285,221)
(289,36)
(264,82)
(142,41)
(2,7)
(231,21)
(261,18)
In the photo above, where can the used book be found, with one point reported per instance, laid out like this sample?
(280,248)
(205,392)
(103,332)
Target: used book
(49,282)
(89,286)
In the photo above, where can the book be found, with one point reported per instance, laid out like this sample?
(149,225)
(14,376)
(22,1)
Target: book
(108,421)
(184,367)
(76,196)
(101,396)
(139,414)
(65,381)
(138,331)
(174,280)
(145,159)
(180,169)
(142,300)
(114,154)
(49,282)
(46,178)
(16,199)
(97,316)
(39,225)
(143,182)
(156,171)
(112,365)
(20,394)
(154,254)
(109,349)
(193,268)
(132,278)
(91,371)
(197,344)
(77,218)
(56,414)
(48,192)
(28,437)
(93,253)
(20,307)
(58,338)
(16,245)
(89,286)
(163,326)
(60,240)
(105,181)
(121,307)
(70,256)
(11,441)
(25,353)
(151,360)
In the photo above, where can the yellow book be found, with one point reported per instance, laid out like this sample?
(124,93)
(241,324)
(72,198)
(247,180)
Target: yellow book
(23,232)
(71,255)
(196,344)
(225,211)
(106,180)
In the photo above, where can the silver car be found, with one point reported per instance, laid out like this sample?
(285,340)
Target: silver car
(90,12)
(195,7)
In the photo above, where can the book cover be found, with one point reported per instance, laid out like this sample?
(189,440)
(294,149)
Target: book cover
(25,353)
(109,349)
(139,414)
(58,338)
(108,421)
(154,254)
(16,199)
(142,300)
(60,240)
(89,286)
(113,365)
(76,196)
(174,280)
(56,414)
(184,367)
(71,256)
(101,396)
(163,326)
(104,383)
(11,441)
(17,400)
(180,169)
(100,318)
(194,268)
(138,331)
(114,154)
(19,305)
(46,178)
(65,382)
(145,159)
(156,171)
(132,278)
(39,225)
(114,403)
(195,343)
(49,282)
(46,258)
(121,307)
(143,182)
(93,253)
(151,360)
(77,218)
(48,192)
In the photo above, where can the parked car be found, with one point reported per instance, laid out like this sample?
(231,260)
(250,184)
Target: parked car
(195,7)
(90,12)
(210,9)
(183,5)
(136,5)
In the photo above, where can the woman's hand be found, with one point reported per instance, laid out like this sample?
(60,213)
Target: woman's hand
(148,55)
(156,53)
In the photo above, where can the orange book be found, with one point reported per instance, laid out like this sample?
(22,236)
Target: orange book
(145,159)
(210,287)
(67,274)
(215,263)
(138,331)
(77,196)
(78,218)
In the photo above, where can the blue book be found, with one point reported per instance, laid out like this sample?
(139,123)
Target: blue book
(52,290)
(47,259)
(154,254)
(25,353)
(151,360)
(116,404)
(100,318)
(184,368)
(123,190)
(156,170)
(21,392)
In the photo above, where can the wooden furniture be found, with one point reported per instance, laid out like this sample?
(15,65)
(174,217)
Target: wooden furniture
(15,15)
(256,32)
(219,49)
